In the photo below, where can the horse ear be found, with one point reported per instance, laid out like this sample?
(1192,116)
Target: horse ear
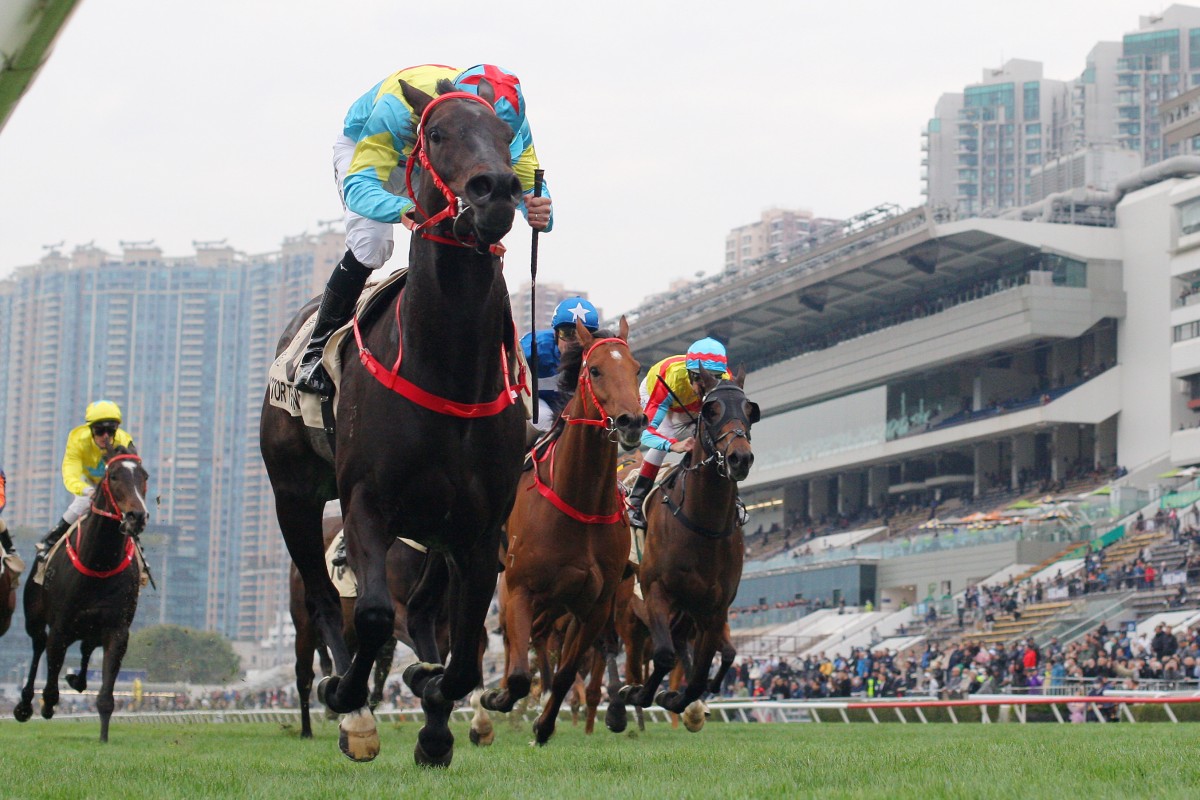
(486,92)
(585,336)
(740,377)
(415,97)
(708,381)
(623,330)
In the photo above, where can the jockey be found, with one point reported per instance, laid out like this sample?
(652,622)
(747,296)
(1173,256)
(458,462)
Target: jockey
(551,343)
(88,449)
(672,395)
(369,158)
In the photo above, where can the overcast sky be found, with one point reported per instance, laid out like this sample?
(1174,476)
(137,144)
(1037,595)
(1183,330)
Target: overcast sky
(660,125)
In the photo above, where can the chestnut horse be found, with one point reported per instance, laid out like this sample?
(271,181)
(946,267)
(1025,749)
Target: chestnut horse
(694,547)
(90,590)
(428,449)
(568,537)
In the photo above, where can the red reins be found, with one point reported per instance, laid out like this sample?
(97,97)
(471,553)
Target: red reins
(130,546)
(585,386)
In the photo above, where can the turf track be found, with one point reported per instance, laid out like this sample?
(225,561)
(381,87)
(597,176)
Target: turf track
(728,761)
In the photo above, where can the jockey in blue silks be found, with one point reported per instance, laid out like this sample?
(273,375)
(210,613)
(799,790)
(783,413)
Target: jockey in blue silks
(550,343)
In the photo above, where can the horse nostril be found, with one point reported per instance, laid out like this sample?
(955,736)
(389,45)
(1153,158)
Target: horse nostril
(625,421)
(480,187)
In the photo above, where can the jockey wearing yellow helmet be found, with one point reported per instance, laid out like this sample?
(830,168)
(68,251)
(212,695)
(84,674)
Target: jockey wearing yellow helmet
(88,448)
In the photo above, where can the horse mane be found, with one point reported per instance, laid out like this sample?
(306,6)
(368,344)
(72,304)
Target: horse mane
(570,362)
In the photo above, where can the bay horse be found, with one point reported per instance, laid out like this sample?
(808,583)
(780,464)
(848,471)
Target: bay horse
(429,449)
(694,547)
(568,536)
(90,590)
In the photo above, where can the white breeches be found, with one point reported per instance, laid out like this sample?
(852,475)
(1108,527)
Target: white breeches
(79,506)
(370,241)
(545,416)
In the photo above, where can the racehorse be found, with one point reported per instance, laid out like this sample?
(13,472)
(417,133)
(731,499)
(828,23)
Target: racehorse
(694,547)
(90,590)
(568,537)
(429,449)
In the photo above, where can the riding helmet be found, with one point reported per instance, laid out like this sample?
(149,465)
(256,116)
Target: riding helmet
(102,410)
(576,308)
(707,353)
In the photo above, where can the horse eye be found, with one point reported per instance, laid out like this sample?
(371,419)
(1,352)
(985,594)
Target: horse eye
(435,136)
(594,371)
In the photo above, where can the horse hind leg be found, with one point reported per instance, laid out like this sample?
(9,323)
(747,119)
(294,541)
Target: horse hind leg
(517,633)
(482,732)
(595,687)
(23,710)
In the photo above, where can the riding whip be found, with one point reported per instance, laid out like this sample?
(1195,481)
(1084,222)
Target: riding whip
(538,174)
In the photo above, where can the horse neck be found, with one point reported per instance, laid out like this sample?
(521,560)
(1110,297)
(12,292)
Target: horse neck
(709,495)
(99,542)
(453,313)
(585,464)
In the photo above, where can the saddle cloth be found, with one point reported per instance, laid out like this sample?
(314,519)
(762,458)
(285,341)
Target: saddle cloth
(39,571)
(13,563)
(343,577)
(281,377)
(637,543)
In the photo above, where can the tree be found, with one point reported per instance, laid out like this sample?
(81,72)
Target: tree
(172,654)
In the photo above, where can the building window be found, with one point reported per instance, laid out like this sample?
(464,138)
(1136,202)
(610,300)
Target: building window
(1186,331)
(1189,217)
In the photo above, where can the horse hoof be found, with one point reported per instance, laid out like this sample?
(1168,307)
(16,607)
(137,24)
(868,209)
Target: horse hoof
(615,718)
(693,716)
(482,738)
(358,738)
(22,712)
(416,675)
(629,694)
(47,711)
(76,681)
(423,759)
(542,733)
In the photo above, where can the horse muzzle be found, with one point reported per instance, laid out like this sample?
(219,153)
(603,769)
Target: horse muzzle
(493,199)
(629,429)
(133,522)
(738,463)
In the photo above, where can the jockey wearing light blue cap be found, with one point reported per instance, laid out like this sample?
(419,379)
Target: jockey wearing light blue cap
(369,158)
(550,344)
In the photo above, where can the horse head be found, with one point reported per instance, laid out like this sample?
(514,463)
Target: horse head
(463,148)
(607,377)
(122,493)
(724,425)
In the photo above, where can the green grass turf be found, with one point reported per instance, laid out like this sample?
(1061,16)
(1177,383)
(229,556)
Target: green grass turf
(64,759)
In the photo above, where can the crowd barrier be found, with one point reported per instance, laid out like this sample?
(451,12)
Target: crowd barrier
(1005,707)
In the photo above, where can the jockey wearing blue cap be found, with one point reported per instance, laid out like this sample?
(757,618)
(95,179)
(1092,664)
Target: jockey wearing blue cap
(369,157)
(672,396)
(550,344)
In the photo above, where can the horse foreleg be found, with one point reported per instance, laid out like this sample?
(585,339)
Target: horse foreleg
(383,666)
(374,619)
(579,638)
(300,521)
(658,613)
(23,710)
(728,654)
(114,652)
(614,716)
(424,608)
(56,653)
(78,680)
(697,682)
(305,646)
(474,579)
(516,682)
(595,687)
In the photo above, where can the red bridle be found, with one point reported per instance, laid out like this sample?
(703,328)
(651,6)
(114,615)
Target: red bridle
(454,204)
(130,546)
(589,394)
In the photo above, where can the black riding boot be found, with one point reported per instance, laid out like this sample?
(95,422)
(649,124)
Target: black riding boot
(51,538)
(337,306)
(6,544)
(637,496)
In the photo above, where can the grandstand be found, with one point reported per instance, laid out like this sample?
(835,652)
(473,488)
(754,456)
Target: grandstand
(919,374)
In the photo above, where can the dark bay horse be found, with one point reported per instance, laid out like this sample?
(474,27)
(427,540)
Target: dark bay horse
(694,548)
(90,591)
(568,538)
(428,449)
(405,566)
